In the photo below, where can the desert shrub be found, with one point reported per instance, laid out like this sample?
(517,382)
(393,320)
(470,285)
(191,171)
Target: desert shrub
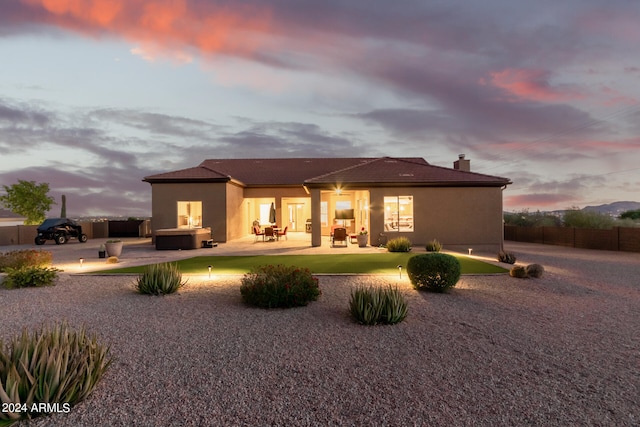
(434,246)
(507,257)
(24,277)
(399,244)
(112,260)
(271,286)
(370,305)
(534,270)
(435,271)
(55,365)
(25,258)
(160,279)
(518,271)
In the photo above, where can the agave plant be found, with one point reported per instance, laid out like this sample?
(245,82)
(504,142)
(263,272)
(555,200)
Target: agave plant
(370,305)
(160,279)
(53,365)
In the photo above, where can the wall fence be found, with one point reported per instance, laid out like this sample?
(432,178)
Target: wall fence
(25,234)
(614,239)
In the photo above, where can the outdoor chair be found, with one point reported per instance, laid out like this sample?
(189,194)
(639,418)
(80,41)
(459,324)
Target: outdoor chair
(257,232)
(339,235)
(283,233)
(268,233)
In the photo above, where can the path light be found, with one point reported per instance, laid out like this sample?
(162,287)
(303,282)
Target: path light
(81,261)
(400,270)
(209,267)
(470,250)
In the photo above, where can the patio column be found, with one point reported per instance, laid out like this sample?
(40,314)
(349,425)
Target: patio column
(316,226)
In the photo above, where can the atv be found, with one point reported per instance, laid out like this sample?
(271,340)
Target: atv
(60,230)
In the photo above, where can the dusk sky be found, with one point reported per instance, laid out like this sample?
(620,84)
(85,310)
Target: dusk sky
(97,94)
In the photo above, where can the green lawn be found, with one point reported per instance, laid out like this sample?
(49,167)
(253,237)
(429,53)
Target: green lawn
(383,263)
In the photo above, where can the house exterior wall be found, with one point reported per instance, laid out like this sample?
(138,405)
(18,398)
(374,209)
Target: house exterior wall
(235,216)
(165,198)
(459,217)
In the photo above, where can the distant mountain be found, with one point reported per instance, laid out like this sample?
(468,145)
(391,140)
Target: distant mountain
(613,209)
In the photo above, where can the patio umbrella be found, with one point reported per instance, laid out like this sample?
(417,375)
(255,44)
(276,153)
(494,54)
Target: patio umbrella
(272,214)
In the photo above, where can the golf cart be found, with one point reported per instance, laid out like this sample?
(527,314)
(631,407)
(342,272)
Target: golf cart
(59,230)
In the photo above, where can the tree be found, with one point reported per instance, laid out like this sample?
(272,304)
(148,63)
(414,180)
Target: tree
(28,199)
(630,214)
(575,217)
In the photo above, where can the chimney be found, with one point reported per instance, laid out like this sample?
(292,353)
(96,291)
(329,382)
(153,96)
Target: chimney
(461,164)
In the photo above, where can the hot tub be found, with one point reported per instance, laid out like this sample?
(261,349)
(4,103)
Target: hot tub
(181,238)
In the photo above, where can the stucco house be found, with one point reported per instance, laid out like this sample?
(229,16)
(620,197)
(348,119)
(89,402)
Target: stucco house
(387,196)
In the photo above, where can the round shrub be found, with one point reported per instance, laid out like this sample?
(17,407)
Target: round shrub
(507,257)
(434,246)
(435,271)
(272,286)
(519,272)
(25,258)
(30,276)
(534,270)
(399,244)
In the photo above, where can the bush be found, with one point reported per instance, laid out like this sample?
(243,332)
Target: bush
(435,271)
(160,279)
(519,272)
(370,306)
(507,257)
(534,270)
(272,286)
(53,365)
(112,260)
(25,258)
(24,277)
(434,246)
(399,244)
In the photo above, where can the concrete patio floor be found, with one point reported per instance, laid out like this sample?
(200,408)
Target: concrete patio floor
(140,251)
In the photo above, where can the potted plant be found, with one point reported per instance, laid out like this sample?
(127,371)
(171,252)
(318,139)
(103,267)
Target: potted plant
(113,247)
(363,237)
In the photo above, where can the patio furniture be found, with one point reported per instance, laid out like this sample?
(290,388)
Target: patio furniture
(257,232)
(283,233)
(269,234)
(339,235)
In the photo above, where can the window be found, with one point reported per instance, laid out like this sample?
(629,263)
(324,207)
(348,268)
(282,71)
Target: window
(398,213)
(324,214)
(190,214)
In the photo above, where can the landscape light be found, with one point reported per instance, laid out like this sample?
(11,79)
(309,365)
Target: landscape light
(209,267)
(470,250)
(81,261)
(400,270)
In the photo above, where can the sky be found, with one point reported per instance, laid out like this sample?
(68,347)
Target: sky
(97,94)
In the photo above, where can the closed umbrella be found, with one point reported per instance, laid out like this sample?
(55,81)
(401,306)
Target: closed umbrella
(272,214)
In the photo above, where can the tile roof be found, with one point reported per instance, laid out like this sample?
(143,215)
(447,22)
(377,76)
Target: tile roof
(325,171)
(387,170)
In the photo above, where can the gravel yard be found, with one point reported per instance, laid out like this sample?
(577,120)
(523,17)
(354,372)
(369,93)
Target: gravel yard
(560,350)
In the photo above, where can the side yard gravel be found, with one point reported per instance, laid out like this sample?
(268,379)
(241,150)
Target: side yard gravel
(560,350)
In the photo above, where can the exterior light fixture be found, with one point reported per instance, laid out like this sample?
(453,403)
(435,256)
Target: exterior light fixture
(400,271)
(81,261)
(209,268)
(470,250)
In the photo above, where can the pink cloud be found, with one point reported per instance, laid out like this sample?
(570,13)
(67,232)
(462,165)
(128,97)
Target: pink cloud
(531,84)
(539,200)
(166,24)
